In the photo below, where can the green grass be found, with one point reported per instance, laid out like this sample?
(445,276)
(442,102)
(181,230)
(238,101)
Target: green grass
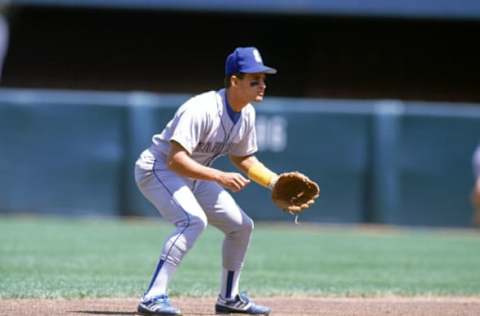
(52,257)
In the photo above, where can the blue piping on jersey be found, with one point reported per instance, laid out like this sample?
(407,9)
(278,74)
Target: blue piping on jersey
(227,135)
(161,261)
(234,116)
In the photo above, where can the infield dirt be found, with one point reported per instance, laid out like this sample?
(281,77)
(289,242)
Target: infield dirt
(282,306)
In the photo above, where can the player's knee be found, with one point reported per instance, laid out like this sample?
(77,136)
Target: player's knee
(198,223)
(251,224)
(193,224)
(245,226)
(248,225)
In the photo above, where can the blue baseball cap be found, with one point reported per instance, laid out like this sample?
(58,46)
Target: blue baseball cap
(246,60)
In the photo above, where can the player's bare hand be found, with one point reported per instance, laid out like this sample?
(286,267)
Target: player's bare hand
(233,181)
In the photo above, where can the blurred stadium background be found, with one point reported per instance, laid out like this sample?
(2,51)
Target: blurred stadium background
(376,100)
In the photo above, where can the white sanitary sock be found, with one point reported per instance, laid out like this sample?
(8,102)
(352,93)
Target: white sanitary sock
(159,284)
(230,281)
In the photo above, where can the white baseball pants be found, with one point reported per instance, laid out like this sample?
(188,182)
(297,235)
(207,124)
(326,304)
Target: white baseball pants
(190,205)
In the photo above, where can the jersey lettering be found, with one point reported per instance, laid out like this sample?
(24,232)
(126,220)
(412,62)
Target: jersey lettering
(214,147)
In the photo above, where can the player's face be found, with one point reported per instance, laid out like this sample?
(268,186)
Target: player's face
(253,86)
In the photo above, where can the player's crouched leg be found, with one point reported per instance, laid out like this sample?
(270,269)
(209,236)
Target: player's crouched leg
(236,242)
(183,238)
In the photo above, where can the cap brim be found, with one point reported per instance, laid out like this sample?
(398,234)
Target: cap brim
(260,69)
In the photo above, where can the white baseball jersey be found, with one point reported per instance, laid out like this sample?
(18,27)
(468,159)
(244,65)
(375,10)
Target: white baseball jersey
(203,127)
(476,162)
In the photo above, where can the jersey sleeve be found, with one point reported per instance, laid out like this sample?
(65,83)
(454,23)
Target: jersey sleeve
(187,128)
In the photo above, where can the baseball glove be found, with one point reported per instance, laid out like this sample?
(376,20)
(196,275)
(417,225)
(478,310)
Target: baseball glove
(293,192)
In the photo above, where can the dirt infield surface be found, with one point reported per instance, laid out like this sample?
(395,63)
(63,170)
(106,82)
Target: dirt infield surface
(308,306)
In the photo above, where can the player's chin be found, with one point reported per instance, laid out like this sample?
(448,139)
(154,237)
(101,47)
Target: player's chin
(259,98)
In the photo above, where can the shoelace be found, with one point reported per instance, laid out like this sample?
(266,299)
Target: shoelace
(244,298)
(158,299)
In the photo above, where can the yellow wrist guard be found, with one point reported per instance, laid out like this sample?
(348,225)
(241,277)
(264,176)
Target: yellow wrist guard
(262,175)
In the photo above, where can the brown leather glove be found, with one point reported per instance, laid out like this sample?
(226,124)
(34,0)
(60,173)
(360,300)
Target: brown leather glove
(293,192)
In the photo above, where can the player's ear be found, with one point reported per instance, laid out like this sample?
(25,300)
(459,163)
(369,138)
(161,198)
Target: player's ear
(233,80)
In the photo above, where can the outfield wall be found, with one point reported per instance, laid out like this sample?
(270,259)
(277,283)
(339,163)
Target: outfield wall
(72,153)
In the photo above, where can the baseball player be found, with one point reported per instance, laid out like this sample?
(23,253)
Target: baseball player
(476,188)
(176,175)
